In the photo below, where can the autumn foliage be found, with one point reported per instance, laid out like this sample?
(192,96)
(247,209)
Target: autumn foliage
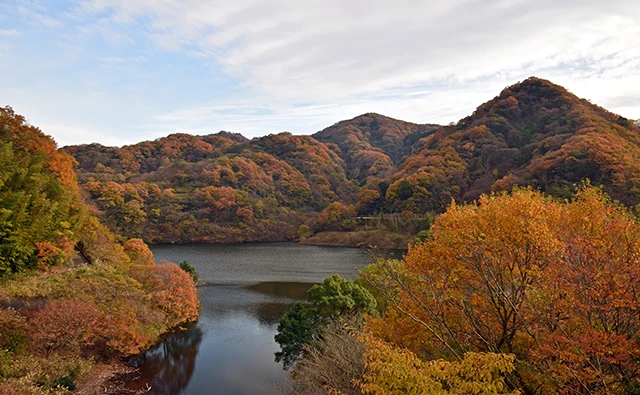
(76,294)
(555,284)
(64,325)
(392,370)
(174,292)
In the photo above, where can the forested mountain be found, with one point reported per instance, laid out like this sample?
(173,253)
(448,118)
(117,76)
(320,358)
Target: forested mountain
(534,133)
(225,188)
(70,294)
(372,144)
(217,188)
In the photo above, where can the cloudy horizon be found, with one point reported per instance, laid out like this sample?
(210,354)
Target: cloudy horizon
(122,71)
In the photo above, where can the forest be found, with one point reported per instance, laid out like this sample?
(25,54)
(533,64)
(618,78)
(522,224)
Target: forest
(73,299)
(223,188)
(521,220)
(517,293)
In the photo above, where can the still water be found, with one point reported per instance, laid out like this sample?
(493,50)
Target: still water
(247,288)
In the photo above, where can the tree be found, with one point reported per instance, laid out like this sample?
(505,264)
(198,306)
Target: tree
(335,301)
(558,285)
(391,370)
(174,291)
(190,270)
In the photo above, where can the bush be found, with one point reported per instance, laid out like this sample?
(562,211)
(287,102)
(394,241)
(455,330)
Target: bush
(190,270)
(64,325)
(174,292)
(13,331)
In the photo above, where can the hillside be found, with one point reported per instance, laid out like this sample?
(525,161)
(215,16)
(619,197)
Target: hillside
(372,144)
(70,295)
(225,188)
(534,133)
(212,188)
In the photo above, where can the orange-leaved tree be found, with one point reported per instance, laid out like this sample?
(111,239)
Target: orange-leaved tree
(174,292)
(558,285)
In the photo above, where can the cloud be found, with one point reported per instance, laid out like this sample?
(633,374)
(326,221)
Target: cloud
(331,48)
(69,134)
(280,65)
(9,33)
(33,12)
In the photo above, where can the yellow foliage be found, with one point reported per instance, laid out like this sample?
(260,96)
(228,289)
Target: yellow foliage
(391,370)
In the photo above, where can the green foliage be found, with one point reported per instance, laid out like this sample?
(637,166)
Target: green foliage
(339,299)
(190,270)
(304,231)
(33,205)
(423,235)
(335,301)
(37,202)
(299,326)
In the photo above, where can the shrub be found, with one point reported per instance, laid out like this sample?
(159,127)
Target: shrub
(64,325)
(174,293)
(190,270)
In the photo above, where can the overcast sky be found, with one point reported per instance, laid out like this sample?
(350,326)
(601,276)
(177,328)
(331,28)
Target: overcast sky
(122,71)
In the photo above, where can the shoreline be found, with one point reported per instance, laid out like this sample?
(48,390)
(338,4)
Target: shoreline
(351,239)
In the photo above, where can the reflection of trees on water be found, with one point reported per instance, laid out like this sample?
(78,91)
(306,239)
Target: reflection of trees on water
(290,290)
(168,367)
(269,313)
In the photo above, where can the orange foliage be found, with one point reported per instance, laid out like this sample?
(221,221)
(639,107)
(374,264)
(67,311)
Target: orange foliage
(333,214)
(174,292)
(138,252)
(556,284)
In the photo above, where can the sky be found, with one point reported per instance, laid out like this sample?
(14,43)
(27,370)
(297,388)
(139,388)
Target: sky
(122,71)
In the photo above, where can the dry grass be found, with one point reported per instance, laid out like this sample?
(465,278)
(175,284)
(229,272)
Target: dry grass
(330,367)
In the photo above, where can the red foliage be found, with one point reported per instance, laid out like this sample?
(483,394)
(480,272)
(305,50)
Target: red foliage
(64,325)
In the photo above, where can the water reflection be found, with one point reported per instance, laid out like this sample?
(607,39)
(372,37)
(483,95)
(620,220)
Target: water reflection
(269,313)
(248,289)
(168,367)
(283,289)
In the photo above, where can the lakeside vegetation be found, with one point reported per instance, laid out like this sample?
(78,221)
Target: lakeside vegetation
(516,294)
(71,297)
(520,277)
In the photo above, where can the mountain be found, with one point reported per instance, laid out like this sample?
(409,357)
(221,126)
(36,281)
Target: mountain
(215,188)
(534,133)
(225,188)
(372,144)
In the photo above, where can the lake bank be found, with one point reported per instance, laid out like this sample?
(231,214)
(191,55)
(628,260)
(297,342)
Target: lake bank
(360,239)
(246,288)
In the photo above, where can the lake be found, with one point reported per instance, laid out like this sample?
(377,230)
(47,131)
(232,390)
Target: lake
(247,288)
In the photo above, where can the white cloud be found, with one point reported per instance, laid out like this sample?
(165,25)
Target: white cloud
(332,49)
(33,14)
(307,64)
(69,134)
(9,33)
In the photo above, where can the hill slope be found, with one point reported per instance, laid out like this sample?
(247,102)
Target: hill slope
(372,144)
(534,133)
(224,188)
(58,312)
(212,188)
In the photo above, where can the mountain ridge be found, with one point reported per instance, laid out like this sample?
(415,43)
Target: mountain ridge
(534,133)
